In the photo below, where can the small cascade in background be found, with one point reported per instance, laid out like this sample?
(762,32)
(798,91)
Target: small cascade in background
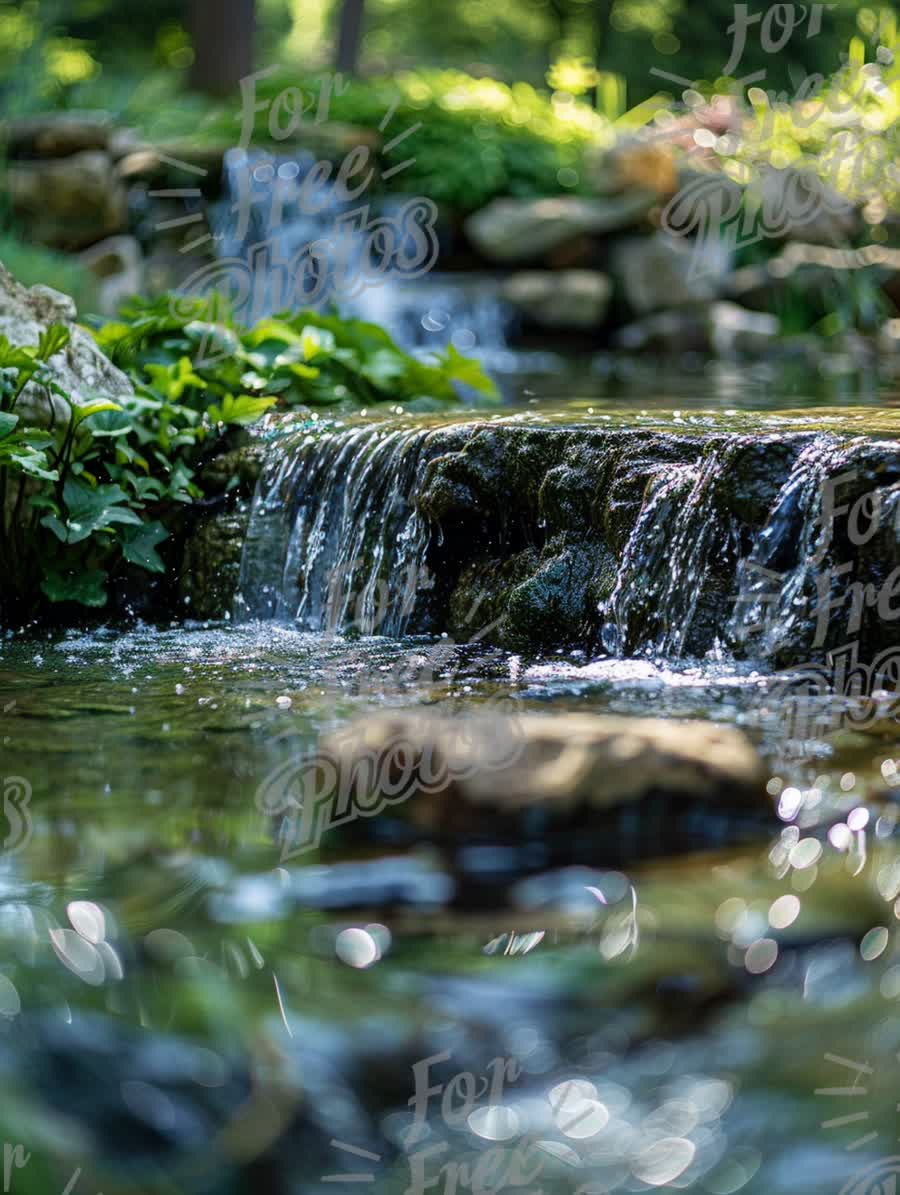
(333,539)
(274,200)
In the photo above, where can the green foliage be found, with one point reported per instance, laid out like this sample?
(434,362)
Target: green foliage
(234,374)
(472,138)
(97,490)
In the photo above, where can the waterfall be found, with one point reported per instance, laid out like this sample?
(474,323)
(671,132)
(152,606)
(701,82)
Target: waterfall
(267,200)
(722,543)
(334,540)
(680,532)
(776,580)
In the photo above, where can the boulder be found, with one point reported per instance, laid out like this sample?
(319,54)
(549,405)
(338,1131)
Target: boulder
(668,271)
(500,771)
(521,230)
(56,134)
(80,368)
(67,203)
(575,299)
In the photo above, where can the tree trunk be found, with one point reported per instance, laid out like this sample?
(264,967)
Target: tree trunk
(602,22)
(222,33)
(350,36)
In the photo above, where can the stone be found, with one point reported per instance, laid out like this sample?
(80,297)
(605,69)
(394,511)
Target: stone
(662,271)
(685,330)
(576,299)
(605,535)
(67,203)
(118,264)
(736,332)
(56,134)
(522,230)
(211,571)
(81,369)
(490,770)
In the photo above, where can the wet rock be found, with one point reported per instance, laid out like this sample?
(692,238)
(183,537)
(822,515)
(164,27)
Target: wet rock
(541,535)
(211,567)
(67,203)
(667,271)
(521,230)
(521,775)
(80,368)
(536,600)
(559,299)
(119,265)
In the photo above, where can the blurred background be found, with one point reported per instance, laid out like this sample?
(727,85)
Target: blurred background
(613,178)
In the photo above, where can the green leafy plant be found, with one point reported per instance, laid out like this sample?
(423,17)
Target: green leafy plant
(234,374)
(96,490)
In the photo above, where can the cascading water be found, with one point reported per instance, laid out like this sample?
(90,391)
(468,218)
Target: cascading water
(667,556)
(333,538)
(715,554)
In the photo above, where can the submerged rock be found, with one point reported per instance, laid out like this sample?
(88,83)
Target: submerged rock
(514,778)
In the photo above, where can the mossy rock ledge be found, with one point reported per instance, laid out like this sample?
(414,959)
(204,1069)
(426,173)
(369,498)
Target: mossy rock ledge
(548,534)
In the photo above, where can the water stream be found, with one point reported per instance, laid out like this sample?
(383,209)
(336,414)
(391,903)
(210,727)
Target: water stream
(184,1008)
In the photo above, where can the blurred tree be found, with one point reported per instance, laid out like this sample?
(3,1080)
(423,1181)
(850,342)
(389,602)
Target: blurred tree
(222,32)
(350,35)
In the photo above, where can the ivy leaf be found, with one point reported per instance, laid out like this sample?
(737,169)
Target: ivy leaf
(52,340)
(7,424)
(139,546)
(19,453)
(172,380)
(81,412)
(90,509)
(384,369)
(83,586)
(316,341)
(240,411)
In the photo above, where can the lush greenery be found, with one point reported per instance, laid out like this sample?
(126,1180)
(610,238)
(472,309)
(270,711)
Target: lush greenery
(94,491)
(81,40)
(472,138)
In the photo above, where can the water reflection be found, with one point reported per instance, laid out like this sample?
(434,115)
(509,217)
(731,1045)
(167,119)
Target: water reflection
(179,1010)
